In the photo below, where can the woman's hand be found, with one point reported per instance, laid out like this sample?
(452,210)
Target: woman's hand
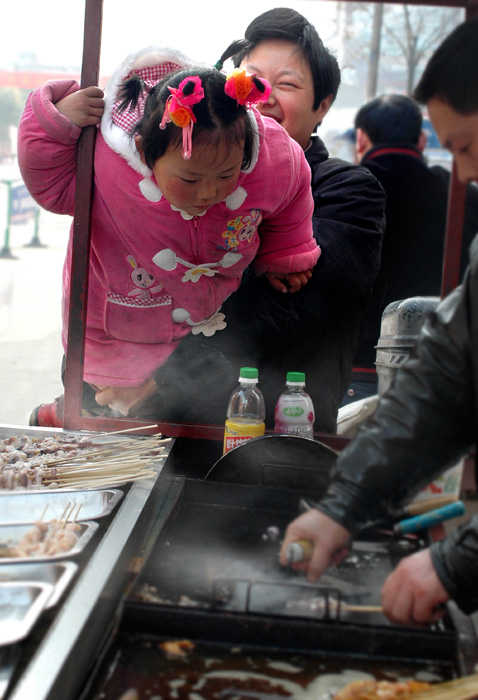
(330,541)
(125,399)
(413,594)
(83,107)
(291,282)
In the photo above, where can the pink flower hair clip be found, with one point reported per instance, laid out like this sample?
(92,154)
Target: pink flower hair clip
(178,109)
(246,88)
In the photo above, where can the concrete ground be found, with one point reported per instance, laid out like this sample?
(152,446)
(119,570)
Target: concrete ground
(30,321)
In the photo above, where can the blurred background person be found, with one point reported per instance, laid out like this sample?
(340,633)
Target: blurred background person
(390,141)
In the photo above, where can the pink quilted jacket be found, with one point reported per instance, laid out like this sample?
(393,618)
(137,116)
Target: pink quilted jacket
(155,275)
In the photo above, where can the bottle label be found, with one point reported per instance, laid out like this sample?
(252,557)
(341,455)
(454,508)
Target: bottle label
(237,433)
(306,430)
(293,411)
(294,415)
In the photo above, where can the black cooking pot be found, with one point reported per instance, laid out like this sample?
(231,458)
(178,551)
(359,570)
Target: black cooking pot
(281,461)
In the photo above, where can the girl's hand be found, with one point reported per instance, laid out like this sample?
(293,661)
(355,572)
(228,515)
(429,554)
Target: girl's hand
(329,539)
(83,107)
(413,594)
(288,283)
(125,399)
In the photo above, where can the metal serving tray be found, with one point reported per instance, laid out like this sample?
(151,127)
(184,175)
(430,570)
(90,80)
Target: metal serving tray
(59,574)
(10,535)
(26,507)
(21,604)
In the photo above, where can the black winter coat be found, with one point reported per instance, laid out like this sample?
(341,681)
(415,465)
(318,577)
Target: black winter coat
(413,245)
(314,330)
(424,424)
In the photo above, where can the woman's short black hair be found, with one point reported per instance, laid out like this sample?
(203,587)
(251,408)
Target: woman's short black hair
(219,117)
(289,25)
(450,73)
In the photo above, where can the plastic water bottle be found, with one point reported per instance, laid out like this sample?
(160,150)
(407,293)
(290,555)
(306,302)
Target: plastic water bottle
(294,414)
(246,410)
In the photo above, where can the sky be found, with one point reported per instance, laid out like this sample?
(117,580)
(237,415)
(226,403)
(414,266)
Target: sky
(53,29)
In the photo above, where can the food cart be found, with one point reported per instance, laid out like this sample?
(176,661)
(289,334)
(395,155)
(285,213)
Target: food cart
(178,584)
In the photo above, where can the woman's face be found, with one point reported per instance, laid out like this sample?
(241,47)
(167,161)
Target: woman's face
(292,97)
(458,133)
(207,178)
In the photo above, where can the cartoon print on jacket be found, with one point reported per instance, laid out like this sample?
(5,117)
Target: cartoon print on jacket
(242,229)
(167,260)
(143,281)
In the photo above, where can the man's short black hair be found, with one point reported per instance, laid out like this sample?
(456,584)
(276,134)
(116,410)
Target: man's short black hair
(450,74)
(289,25)
(390,118)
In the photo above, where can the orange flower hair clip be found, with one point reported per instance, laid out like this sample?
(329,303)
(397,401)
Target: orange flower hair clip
(178,109)
(246,88)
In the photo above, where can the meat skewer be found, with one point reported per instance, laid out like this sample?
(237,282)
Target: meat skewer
(48,539)
(63,462)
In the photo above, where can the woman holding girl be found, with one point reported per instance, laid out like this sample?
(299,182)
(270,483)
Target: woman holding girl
(204,189)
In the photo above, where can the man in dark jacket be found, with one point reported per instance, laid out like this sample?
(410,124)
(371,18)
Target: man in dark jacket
(429,417)
(390,143)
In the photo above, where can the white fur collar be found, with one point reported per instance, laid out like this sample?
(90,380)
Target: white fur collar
(118,140)
(151,192)
(121,142)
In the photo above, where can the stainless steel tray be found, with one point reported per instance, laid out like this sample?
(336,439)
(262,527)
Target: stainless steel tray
(10,535)
(59,574)
(21,604)
(18,507)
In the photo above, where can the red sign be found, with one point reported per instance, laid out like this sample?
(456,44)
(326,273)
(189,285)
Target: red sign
(29,80)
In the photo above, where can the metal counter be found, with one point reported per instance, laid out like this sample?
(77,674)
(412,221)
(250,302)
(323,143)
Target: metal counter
(61,651)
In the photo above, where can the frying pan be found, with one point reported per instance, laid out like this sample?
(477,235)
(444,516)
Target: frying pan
(283,461)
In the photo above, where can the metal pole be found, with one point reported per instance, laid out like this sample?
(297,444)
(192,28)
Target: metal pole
(82,226)
(6,252)
(375,51)
(35,241)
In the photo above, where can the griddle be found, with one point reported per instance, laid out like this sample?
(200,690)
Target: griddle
(213,577)
(214,567)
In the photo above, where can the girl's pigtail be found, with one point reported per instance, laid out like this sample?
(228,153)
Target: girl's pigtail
(150,102)
(188,88)
(130,92)
(259,84)
(241,46)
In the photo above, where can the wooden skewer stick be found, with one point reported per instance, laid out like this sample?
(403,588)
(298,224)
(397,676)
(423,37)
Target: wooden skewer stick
(107,481)
(107,471)
(97,468)
(64,512)
(129,430)
(64,521)
(44,511)
(361,608)
(106,452)
(99,483)
(458,689)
